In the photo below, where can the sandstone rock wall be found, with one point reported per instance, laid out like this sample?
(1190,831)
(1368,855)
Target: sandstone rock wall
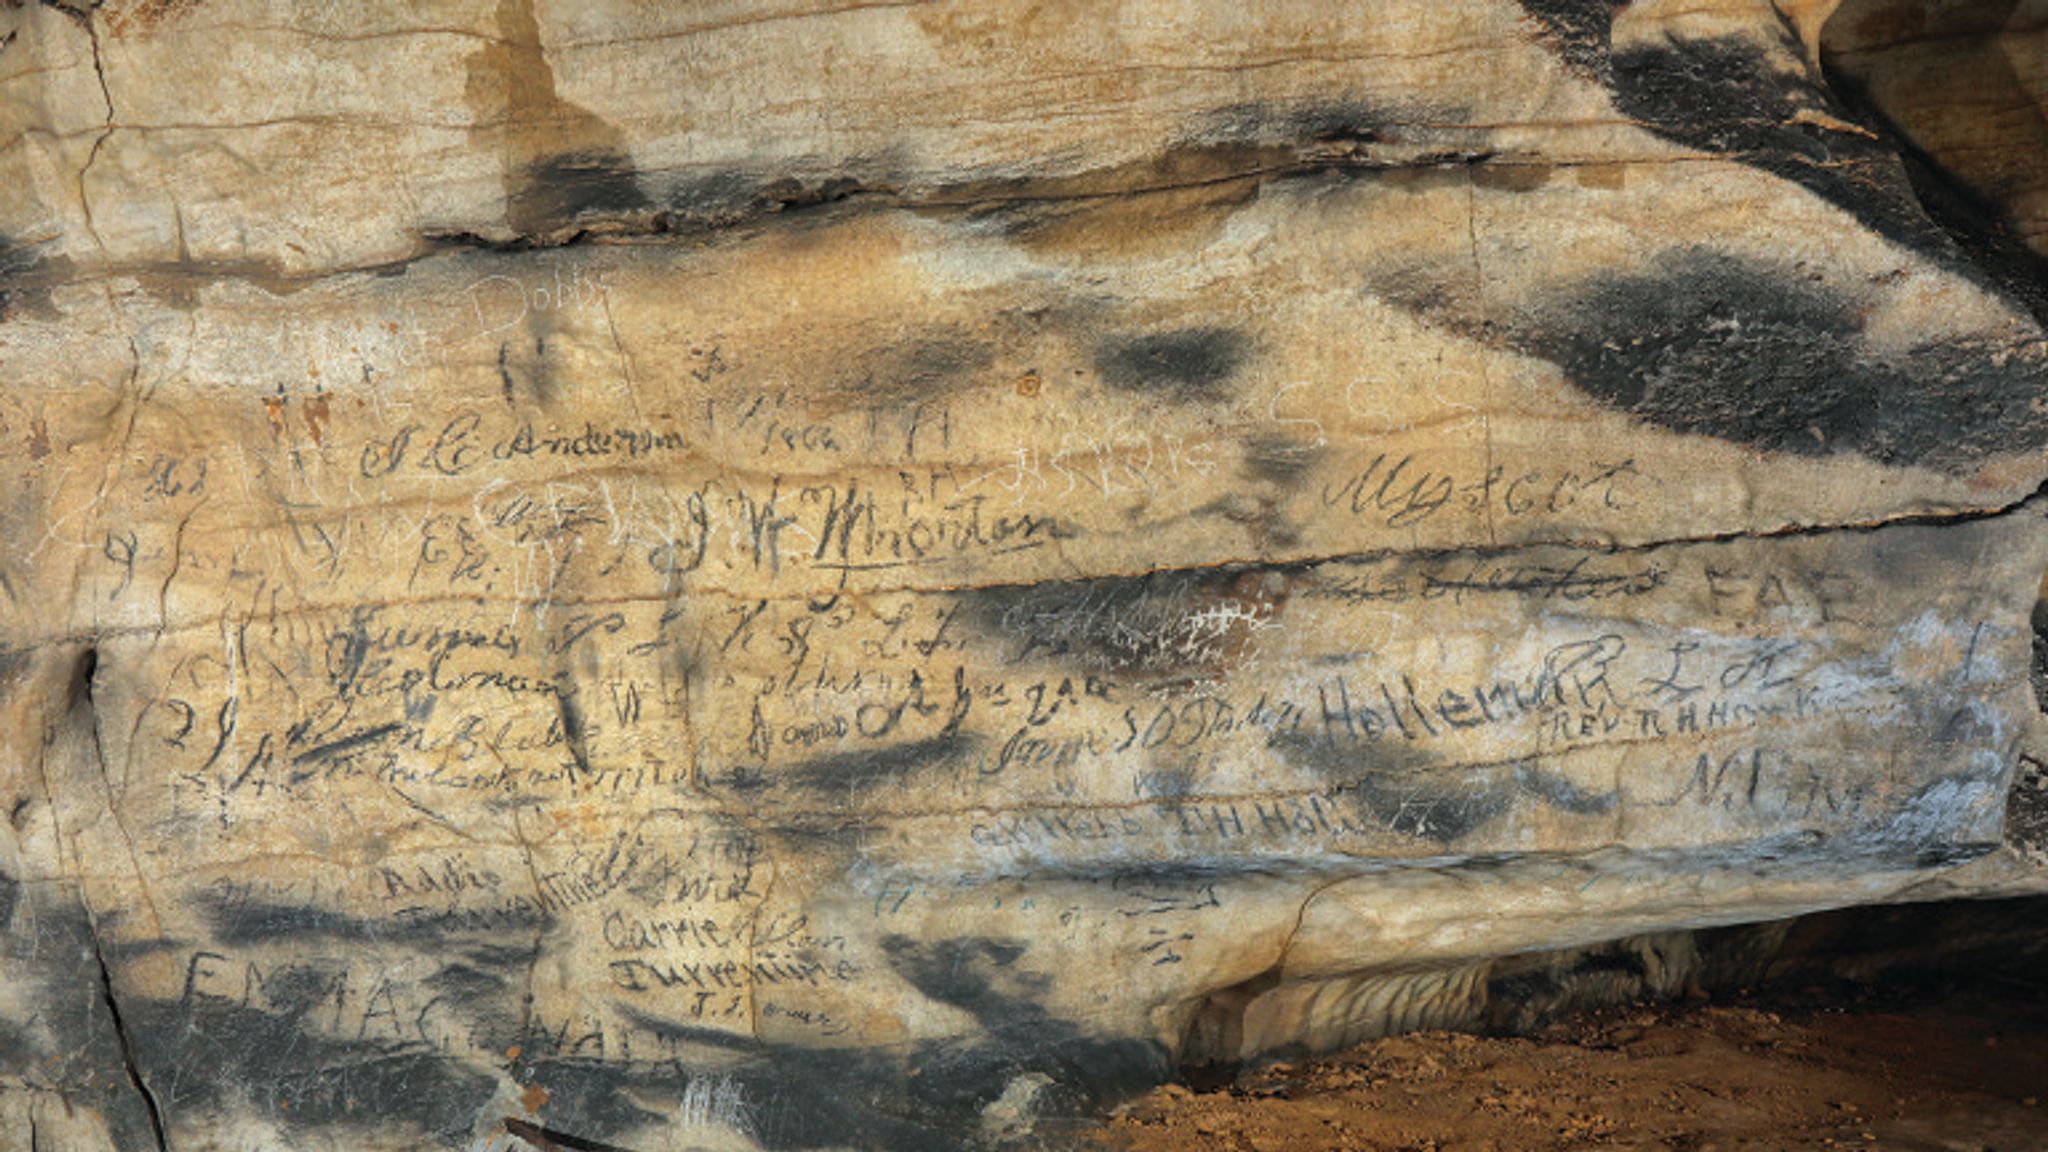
(804,577)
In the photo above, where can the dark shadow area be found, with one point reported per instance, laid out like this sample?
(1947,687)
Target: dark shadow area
(1939,84)
(1913,1028)
(1889,955)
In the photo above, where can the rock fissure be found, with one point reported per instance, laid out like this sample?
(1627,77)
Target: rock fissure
(86,19)
(1231,564)
(127,1045)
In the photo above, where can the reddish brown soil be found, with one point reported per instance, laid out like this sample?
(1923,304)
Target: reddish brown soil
(1963,1075)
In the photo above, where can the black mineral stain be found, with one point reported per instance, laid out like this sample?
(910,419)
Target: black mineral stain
(1341,761)
(236,919)
(1167,782)
(731,196)
(72,1042)
(591,1095)
(1441,290)
(2038,665)
(1162,625)
(713,196)
(1441,806)
(1562,794)
(913,369)
(862,770)
(573,729)
(560,190)
(787,192)
(563,165)
(15,259)
(930,360)
(1192,364)
(540,1136)
(672,1034)
(808,1098)
(1403,787)
(1726,96)
(1121,876)
(926,1096)
(82,678)
(1937,856)
(207,1054)
(1582,31)
(1323,131)
(1154,876)
(1257,124)
(1282,461)
(983,978)
(477,990)
(975,974)
(1218,162)
(1710,344)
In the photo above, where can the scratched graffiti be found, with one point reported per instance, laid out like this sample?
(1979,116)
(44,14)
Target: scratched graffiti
(565,706)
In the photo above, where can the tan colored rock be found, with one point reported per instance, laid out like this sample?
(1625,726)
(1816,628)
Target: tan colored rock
(849,577)
(1965,85)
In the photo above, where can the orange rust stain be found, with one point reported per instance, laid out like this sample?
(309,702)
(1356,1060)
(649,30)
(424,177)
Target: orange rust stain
(316,418)
(534,1098)
(143,16)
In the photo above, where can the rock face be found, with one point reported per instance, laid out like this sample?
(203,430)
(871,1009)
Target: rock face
(798,576)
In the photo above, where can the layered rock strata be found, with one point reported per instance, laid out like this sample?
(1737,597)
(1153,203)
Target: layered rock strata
(753,576)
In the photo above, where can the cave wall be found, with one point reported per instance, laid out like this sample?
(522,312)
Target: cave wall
(809,576)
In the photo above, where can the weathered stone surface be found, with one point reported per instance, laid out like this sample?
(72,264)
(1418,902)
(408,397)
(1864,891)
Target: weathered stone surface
(1963,88)
(800,578)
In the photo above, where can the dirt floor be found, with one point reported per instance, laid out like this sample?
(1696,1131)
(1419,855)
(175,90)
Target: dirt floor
(1961,1072)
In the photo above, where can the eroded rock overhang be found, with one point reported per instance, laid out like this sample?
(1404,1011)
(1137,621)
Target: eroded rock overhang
(808,578)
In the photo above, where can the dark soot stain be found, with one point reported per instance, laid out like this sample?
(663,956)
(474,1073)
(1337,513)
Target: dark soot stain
(209,1054)
(1280,460)
(1724,96)
(560,190)
(861,770)
(1580,30)
(1192,364)
(1158,625)
(1425,807)
(1706,343)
